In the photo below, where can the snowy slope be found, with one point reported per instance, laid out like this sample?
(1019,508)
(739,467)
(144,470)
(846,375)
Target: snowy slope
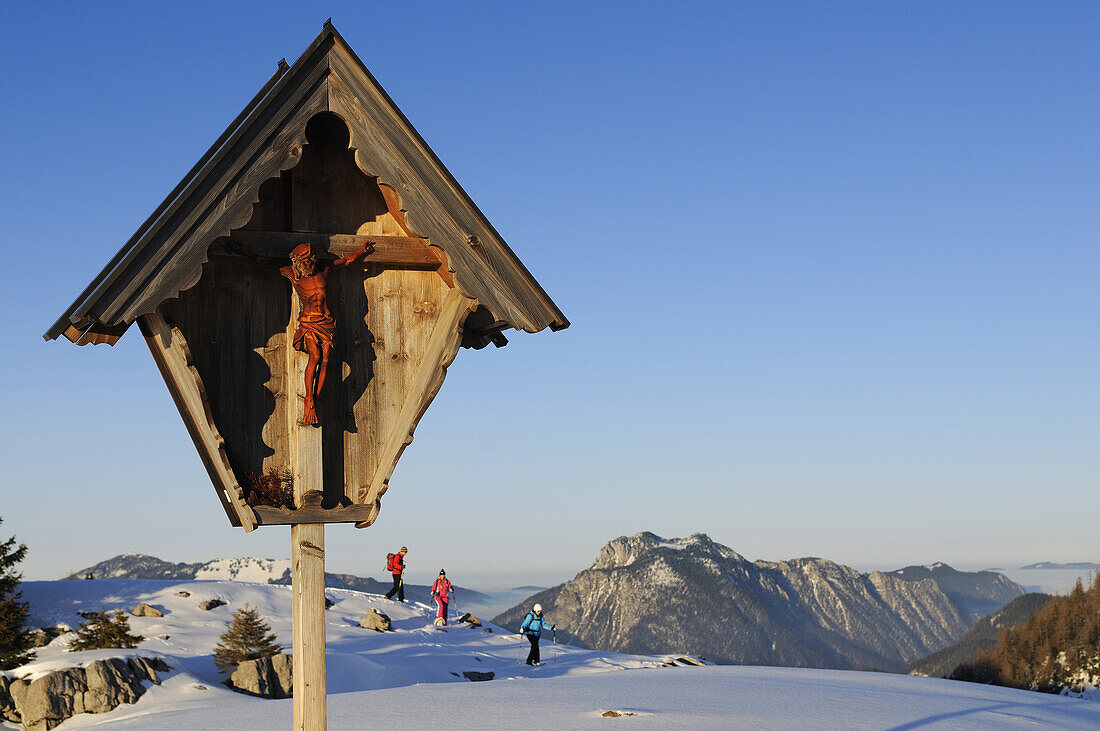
(259,570)
(412,677)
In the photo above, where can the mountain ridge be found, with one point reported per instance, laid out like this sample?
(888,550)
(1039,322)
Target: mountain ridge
(644,593)
(261,570)
(975,593)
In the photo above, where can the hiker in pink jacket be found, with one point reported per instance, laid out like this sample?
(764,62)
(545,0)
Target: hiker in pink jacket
(440,589)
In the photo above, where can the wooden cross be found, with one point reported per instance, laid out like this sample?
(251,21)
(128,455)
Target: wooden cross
(307,531)
(394,252)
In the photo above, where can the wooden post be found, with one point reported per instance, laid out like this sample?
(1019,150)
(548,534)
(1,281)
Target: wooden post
(307,552)
(307,557)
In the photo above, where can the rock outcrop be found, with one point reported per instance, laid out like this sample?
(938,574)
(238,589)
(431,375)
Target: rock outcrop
(377,621)
(211,604)
(648,595)
(101,686)
(477,676)
(7,703)
(45,635)
(469,619)
(267,677)
(146,610)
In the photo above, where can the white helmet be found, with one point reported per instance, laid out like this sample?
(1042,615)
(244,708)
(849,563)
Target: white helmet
(538,608)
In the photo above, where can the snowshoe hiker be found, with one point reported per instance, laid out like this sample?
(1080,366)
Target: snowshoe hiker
(532,626)
(395,564)
(440,589)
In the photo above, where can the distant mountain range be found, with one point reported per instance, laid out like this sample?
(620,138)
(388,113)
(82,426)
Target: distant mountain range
(974,593)
(1077,565)
(646,594)
(981,636)
(260,570)
(140,566)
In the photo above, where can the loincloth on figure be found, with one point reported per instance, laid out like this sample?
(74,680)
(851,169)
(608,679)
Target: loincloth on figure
(316,327)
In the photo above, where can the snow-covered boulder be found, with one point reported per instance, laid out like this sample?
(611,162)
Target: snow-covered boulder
(45,635)
(7,705)
(469,619)
(49,700)
(267,677)
(102,686)
(146,610)
(375,620)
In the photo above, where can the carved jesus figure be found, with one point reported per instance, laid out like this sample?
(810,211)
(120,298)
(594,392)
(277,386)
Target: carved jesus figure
(316,326)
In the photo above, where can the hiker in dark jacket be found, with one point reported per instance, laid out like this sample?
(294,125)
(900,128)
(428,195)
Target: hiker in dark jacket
(532,626)
(396,565)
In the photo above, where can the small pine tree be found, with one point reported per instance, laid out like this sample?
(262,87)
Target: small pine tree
(248,638)
(15,641)
(105,629)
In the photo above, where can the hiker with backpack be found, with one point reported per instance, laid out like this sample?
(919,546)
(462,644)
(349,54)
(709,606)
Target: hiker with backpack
(395,564)
(440,589)
(532,626)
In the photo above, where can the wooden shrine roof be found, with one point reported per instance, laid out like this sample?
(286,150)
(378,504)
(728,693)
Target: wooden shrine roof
(165,255)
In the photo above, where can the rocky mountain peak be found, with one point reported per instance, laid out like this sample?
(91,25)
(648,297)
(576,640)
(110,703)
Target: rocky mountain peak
(626,550)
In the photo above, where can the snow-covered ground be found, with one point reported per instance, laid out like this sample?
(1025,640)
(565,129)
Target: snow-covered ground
(260,570)
(413,677)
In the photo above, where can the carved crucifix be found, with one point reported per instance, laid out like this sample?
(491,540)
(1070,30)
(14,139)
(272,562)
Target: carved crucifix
(316,326)
(316,330)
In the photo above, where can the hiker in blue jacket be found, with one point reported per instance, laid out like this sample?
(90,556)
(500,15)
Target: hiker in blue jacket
(532,627)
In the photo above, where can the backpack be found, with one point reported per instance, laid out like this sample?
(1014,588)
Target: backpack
(390,562)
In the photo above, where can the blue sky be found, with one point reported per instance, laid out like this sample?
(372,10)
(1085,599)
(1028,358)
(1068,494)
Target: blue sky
(831,270)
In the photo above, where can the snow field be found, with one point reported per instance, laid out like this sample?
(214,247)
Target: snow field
(412,677)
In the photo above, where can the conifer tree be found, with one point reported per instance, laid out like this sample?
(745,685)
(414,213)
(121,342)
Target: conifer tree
(15,642)
(105,629)
(248,638)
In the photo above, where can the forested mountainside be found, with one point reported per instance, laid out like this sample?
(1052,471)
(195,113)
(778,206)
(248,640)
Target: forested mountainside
(1056,650)
(982,636)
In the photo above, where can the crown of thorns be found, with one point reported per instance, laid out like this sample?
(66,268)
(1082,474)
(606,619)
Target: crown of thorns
(301,252)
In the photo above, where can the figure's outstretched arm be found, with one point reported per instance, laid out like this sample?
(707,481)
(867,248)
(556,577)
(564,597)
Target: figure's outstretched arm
(364,250)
